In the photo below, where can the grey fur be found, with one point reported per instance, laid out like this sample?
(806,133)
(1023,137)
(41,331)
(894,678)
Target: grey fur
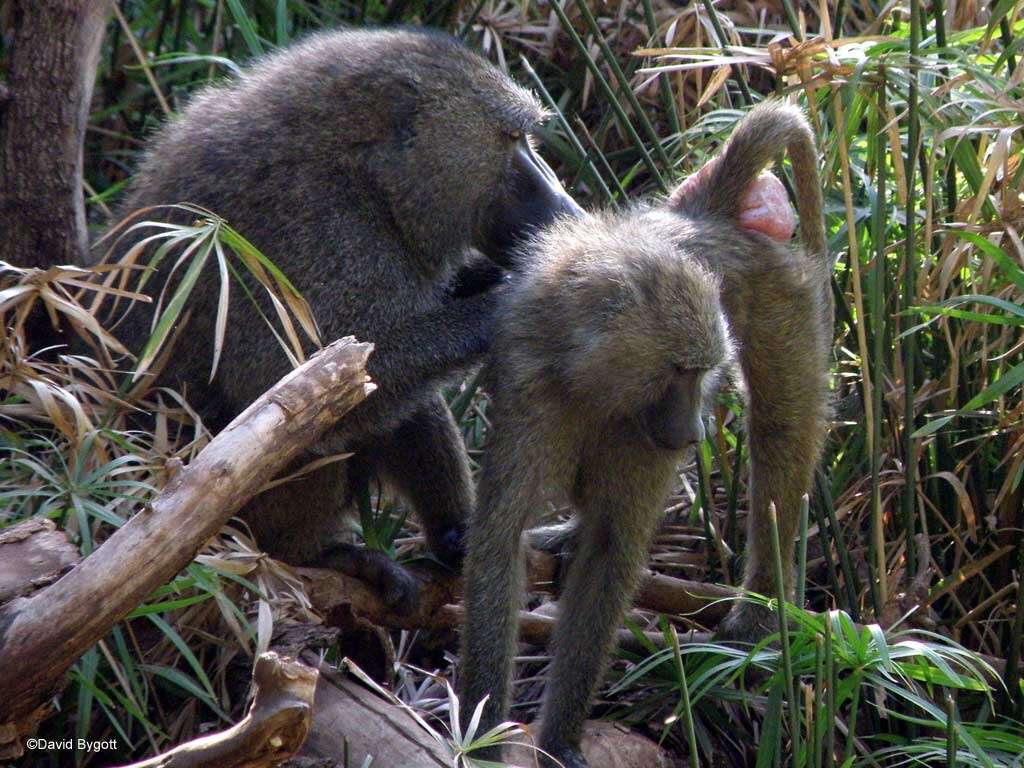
(365,164)
(587,341)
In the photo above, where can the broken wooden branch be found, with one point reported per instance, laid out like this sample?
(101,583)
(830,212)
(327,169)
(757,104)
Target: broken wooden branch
(330,590)
(352,721)
(33,554)
(273,729)
(440,590)
(58,624)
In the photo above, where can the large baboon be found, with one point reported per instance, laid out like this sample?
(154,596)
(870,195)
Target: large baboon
(603,354)
(370,166)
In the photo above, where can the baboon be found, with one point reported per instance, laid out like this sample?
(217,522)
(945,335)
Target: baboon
(604,351)
(374,168)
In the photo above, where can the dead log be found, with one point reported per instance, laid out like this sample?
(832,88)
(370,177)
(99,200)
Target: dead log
(273,729)
(330,590)
(351,721)
(33,554)
(41,636)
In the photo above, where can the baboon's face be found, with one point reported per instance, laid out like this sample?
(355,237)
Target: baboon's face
(528,198)
(472,148)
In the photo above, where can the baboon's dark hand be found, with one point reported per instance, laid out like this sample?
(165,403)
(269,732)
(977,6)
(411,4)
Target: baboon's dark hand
(400,590)
(397,587)
(486,305)
(477,277)
(449,545)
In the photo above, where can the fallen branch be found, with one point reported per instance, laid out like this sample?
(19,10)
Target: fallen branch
(273,729)
(440,590)
(350,720)
(58,624)
(537,628)
(33,554)
(330,590)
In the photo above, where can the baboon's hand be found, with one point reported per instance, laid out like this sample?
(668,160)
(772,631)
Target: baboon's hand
(477,277)
(486,308)
(560,541)
(448,544)
(557,539)
(399,588)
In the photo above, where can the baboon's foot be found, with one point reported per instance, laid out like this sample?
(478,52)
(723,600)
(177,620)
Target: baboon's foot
(747,623)
(398,588)
(558,540)
(567,757)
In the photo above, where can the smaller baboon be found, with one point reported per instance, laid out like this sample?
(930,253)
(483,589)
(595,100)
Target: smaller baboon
(605,351)
(374,167)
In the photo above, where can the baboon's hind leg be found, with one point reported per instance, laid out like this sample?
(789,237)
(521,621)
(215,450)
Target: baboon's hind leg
(425,461)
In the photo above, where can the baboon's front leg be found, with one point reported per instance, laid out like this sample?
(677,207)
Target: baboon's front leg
(619,502)
(494,572)
(781,314)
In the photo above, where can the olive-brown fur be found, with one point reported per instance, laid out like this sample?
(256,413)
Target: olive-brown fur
(610,310)
(366,165)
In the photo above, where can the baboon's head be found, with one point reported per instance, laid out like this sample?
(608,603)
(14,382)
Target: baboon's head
(638,327)
(451,147)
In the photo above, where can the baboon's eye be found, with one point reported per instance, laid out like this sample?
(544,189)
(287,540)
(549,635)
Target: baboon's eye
(515,135)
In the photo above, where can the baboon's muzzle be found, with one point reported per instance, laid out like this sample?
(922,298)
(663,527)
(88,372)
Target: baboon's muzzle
(531,200)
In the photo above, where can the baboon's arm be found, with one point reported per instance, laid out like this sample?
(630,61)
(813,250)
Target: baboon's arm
(427,349)
(620,497)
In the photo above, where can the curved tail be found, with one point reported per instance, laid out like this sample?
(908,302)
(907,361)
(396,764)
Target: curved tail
(761,136)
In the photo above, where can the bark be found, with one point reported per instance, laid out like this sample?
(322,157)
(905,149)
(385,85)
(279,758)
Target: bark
(331,591)
(272,730)
(56,625)
(33,554)
(350,720)
(53,51)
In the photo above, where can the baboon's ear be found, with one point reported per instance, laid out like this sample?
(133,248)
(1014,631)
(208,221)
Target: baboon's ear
(764,208)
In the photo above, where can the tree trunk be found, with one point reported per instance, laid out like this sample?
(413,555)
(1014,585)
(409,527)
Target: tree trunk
(44,105)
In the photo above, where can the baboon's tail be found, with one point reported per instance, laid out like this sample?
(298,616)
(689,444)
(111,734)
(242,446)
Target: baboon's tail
(760,137)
